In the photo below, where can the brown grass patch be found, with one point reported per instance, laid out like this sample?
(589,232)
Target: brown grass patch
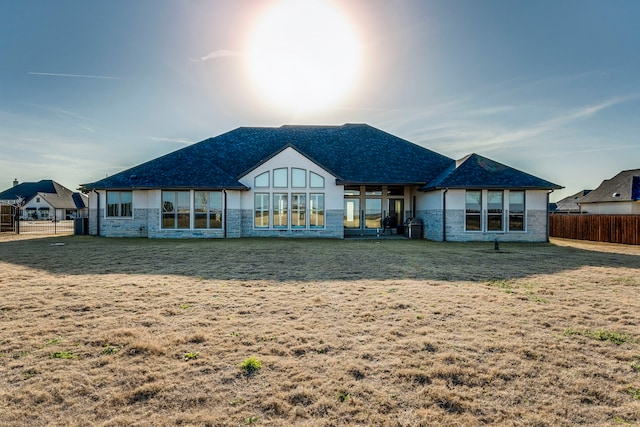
(362,332)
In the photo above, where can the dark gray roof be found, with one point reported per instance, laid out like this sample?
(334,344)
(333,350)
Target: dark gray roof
(475,171)
(27,190)
(353,153)
(571,203)
(55,194)
(624,187)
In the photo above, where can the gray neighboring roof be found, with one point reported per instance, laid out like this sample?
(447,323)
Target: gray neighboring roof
(571,203)
(475,171)
(55,194)
(354,153)
(624,187)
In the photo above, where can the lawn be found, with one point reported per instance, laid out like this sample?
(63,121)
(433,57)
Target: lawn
(117,332)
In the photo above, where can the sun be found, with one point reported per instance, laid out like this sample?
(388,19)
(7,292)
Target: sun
(303,55)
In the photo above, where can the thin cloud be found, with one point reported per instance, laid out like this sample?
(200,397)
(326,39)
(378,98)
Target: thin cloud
(178,140)
(220,53)
(82,76)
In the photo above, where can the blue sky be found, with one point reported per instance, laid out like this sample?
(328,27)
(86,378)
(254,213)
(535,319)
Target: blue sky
(552,88)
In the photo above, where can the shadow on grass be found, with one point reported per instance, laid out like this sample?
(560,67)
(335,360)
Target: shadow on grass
(304,259)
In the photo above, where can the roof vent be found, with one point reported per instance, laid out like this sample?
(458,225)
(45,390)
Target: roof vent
(616,194)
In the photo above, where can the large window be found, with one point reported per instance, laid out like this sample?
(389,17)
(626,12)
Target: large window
(494,210)
(207,209)
(280,210)
(298,178)
(176,209)
(516,211)
(315,180)
(473,210)
(373,213)
(298,210)
(262,180)
(351,213)
(119,204)
(316,210)
(261,218)
(280,178)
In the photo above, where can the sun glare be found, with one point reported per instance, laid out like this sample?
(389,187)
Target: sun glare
(303,55)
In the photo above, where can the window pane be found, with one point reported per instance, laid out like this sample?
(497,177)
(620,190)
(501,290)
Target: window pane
(472,223)
(215,209)
(315,180)
(373,213)
(516,222)
(184,210)
(494,201)
(298,210)
(280,178)
(280,210)
(373,191)
(474,201)
(262,180)
(298,178)
(168,209)
(494,222)
(316,210)
(352,213)
(516,201)
(352,190)
(261,210)
(113,200)
(395,191)
(125,203)
(201,201)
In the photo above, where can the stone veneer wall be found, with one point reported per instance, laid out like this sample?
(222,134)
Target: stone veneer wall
(536,229)
(334,227)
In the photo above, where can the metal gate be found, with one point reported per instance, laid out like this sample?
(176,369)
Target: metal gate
(7,218)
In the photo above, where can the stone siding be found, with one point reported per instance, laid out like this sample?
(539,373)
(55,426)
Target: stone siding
(536,229)
(333,227)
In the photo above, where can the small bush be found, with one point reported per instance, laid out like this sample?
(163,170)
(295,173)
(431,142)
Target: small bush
(251,365)
(192,355)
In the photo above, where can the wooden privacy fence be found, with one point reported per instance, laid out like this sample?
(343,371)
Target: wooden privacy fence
(598,228)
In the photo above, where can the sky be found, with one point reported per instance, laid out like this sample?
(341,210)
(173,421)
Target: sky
(550,87)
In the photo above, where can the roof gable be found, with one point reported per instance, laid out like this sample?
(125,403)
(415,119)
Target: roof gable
(475,171)
(624,187)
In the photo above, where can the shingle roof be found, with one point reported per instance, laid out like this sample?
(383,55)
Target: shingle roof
(624,187)
(354,153)
(55,194)
(571,203)
(27,190)
(480,172)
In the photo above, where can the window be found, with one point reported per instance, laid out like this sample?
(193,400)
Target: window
(316,210)
(262,180)
(315,180)
(280,210)
(119,204)
(494,210)
(473,210)
(373,213)
(298,178)
(516,211)
(280,178)
(298,211)
(261,218)
(373,190)
(351,213)
(352,190)
(176,209)
(207,209)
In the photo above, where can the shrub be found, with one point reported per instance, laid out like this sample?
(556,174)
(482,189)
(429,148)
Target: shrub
(251,365)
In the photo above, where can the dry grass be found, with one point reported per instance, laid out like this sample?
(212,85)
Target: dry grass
(358,332)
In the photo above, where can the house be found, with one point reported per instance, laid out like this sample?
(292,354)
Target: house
(45,200)
(570,204)
(615,196)
(318,181)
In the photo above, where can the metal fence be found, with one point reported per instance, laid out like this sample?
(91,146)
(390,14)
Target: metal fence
(7,218)
(623,229)
(12,223)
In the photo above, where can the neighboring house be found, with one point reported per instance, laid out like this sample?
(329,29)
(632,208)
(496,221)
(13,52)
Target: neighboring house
(570,204)
(318,181)
(618,195)
(45,200)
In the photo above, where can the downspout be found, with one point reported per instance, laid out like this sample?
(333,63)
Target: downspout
(224,225)
(98,214)
(444,215)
